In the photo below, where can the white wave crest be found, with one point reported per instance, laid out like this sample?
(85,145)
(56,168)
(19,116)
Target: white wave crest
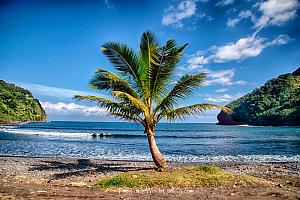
(49,133)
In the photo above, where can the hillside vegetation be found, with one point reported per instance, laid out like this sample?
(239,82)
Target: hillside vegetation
(276,103)
(18,105)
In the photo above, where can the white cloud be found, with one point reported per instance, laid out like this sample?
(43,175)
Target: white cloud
(222,77)
(222,90)
(61,108)
(243,48)
(222,98)
(44,90)
(217,77)
(199,60)
(236,51)
(176,15)
(244,14)
(225,2)
(276,12)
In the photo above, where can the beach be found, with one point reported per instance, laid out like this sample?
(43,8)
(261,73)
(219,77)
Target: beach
(70,178)
(61,160)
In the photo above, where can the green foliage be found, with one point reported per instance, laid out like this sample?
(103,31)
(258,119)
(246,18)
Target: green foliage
(184,177)
(18,105)
(276,103)
(207,169)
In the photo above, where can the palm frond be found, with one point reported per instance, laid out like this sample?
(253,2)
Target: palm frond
(137,103)
(182,89)
(195,109)
(114,108)
(160,72)
(106,80)
(148,56)
(124,59)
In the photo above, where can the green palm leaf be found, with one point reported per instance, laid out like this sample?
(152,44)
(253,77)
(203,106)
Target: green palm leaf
(137,103)
(114,108)
(182,89)
(160,73)
(125,61)
(106,80)
(148,56)
(183,112)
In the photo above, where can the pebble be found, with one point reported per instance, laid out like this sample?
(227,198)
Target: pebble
(279,185)
(77,184)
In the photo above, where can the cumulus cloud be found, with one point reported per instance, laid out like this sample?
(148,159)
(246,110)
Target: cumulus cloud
(276,12)
(242,49)
(176,15)
(245,48)
(236,51)
(269,12)
(61,108)
(221,98)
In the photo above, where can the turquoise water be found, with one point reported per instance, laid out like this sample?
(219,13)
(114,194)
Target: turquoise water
(190,142)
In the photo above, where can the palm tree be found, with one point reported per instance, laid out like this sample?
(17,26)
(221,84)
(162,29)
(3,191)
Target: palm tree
(141,89)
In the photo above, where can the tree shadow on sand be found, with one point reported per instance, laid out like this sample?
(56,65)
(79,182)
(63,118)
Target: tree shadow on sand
(82,167)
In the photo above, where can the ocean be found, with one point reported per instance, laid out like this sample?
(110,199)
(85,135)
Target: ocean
(185,142)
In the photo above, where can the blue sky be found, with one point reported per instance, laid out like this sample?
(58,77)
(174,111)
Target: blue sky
(52,48)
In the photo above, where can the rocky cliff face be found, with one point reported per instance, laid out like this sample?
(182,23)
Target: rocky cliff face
(274,104)
(18,105)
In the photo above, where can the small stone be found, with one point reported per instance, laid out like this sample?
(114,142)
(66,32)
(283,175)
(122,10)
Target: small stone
(78,184)
(134,176)
(279,185)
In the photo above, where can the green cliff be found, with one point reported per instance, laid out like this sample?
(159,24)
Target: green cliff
(18,105)
(277,103)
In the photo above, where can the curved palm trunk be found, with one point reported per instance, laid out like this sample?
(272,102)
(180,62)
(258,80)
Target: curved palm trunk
(157,157)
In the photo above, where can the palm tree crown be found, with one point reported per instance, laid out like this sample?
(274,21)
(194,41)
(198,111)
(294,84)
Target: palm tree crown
(141,88)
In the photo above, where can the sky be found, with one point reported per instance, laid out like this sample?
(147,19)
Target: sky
(53,47)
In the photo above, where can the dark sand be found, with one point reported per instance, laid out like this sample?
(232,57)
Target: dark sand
(65,178)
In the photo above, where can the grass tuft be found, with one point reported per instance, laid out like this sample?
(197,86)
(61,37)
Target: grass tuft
(183,177)
(207,169)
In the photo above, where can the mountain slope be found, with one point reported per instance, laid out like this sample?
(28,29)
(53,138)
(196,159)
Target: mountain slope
(18,105)
(276,103)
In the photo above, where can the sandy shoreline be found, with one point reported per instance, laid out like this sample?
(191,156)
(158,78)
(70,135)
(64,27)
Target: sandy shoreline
(68,178)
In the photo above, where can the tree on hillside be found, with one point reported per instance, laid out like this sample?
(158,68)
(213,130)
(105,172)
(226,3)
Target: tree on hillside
(141,90)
